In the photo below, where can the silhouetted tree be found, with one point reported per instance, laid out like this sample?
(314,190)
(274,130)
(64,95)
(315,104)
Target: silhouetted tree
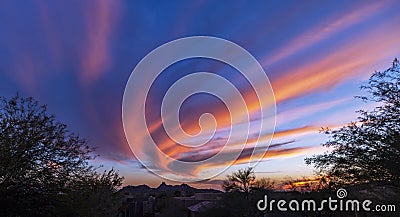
(264,183)
(94,194)
(241,180)
(368,149)
(243,191)
(43,167)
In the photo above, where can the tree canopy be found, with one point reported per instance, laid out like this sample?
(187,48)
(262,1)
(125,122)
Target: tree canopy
(43,167)
(368,149)
(241,180)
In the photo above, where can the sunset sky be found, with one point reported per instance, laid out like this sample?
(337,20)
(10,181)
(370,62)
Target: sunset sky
(77,56)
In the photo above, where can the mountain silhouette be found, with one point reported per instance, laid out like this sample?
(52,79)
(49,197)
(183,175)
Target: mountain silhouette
(167,189)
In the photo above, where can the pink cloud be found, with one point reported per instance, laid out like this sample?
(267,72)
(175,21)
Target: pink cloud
(100,20)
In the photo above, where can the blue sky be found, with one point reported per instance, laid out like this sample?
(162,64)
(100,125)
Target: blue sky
(77,56)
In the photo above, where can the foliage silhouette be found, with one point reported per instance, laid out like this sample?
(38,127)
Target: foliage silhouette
(241,180)
(44,169)
(367,150)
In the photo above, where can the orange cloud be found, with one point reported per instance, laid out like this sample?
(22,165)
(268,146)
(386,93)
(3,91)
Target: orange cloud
(295,131)
(255,153)
(324,30)
(343,63)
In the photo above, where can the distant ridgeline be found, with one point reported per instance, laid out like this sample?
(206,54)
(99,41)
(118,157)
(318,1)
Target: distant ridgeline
(176,190)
